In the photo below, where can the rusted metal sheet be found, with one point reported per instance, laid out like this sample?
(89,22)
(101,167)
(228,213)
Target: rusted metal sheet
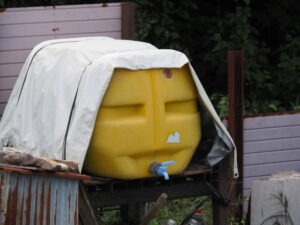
(35,199)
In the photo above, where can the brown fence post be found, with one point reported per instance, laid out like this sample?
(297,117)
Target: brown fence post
(229,187)
(127,20)
(235,120)
(236,107)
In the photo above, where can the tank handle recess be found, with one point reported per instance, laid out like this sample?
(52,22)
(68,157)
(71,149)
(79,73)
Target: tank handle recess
(160,169)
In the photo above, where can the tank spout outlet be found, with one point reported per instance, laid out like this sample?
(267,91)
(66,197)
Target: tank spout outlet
(160,169)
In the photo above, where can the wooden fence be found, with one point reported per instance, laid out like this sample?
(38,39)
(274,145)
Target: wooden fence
(23,28)
(271,143)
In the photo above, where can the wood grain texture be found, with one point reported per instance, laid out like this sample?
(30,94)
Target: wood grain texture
(272,157)
(23,28)
(10,70)
(4,96)
(7,83)
(64,27)
(13,56)
(272,133)
(270,168)
(271,144)
(271,121)
(60,13)
(278,144)
(2,107)
(264,203)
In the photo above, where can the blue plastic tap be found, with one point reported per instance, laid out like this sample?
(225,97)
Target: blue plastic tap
(160,169)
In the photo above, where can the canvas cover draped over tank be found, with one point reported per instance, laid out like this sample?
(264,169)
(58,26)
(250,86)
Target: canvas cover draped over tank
(54,104)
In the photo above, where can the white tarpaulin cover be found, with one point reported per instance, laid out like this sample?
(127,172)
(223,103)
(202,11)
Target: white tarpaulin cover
(53,106)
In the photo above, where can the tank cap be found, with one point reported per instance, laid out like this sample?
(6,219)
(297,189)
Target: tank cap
(160,169)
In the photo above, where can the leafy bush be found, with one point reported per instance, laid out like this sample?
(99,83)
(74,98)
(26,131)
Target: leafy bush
(172,209)
(205,31)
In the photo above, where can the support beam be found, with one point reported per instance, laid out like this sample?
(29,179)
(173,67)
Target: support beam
(236,107)
(87,214)
(236,123)
(128,192)
(233,189)
(127,20)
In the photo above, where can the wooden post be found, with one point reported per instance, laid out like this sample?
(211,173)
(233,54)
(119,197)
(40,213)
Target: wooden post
(127,20)
(235,121)
(226,184)
(154,210)
(87,214)
(236,107)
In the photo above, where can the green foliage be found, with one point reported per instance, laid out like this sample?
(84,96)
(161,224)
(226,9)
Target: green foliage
(206,31)
(172,209)
(235,32)
(178,209)
(284,213)
(221,103)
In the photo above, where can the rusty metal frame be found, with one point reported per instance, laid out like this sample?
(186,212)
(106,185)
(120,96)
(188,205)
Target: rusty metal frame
(121,192)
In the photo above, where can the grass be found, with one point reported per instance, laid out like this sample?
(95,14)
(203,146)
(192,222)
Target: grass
(172,209)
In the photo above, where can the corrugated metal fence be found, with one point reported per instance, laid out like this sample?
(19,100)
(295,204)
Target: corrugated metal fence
(23,28)
(37,199)
(271,143)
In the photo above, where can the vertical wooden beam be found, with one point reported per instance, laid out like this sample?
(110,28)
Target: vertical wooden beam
(226,184)
(87,214)
(220,212)
(127,20)
(236,108)
(235,120)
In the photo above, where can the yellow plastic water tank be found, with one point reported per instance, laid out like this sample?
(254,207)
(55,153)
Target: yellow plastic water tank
(146,116)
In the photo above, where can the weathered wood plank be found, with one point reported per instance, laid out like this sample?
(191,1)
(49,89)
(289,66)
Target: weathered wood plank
(10,70)
(272,133)
(272,121)
(23,28)
(267,169)
(272,157)
(24,43)
(80,6)
(7,83)
(248,181)
(2,107)
(4,96)
(272,145)
(18,56)
(61,13)
(87,214)
(116,35)
(95,26)
(265,203)
(92,12)
(42,29)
